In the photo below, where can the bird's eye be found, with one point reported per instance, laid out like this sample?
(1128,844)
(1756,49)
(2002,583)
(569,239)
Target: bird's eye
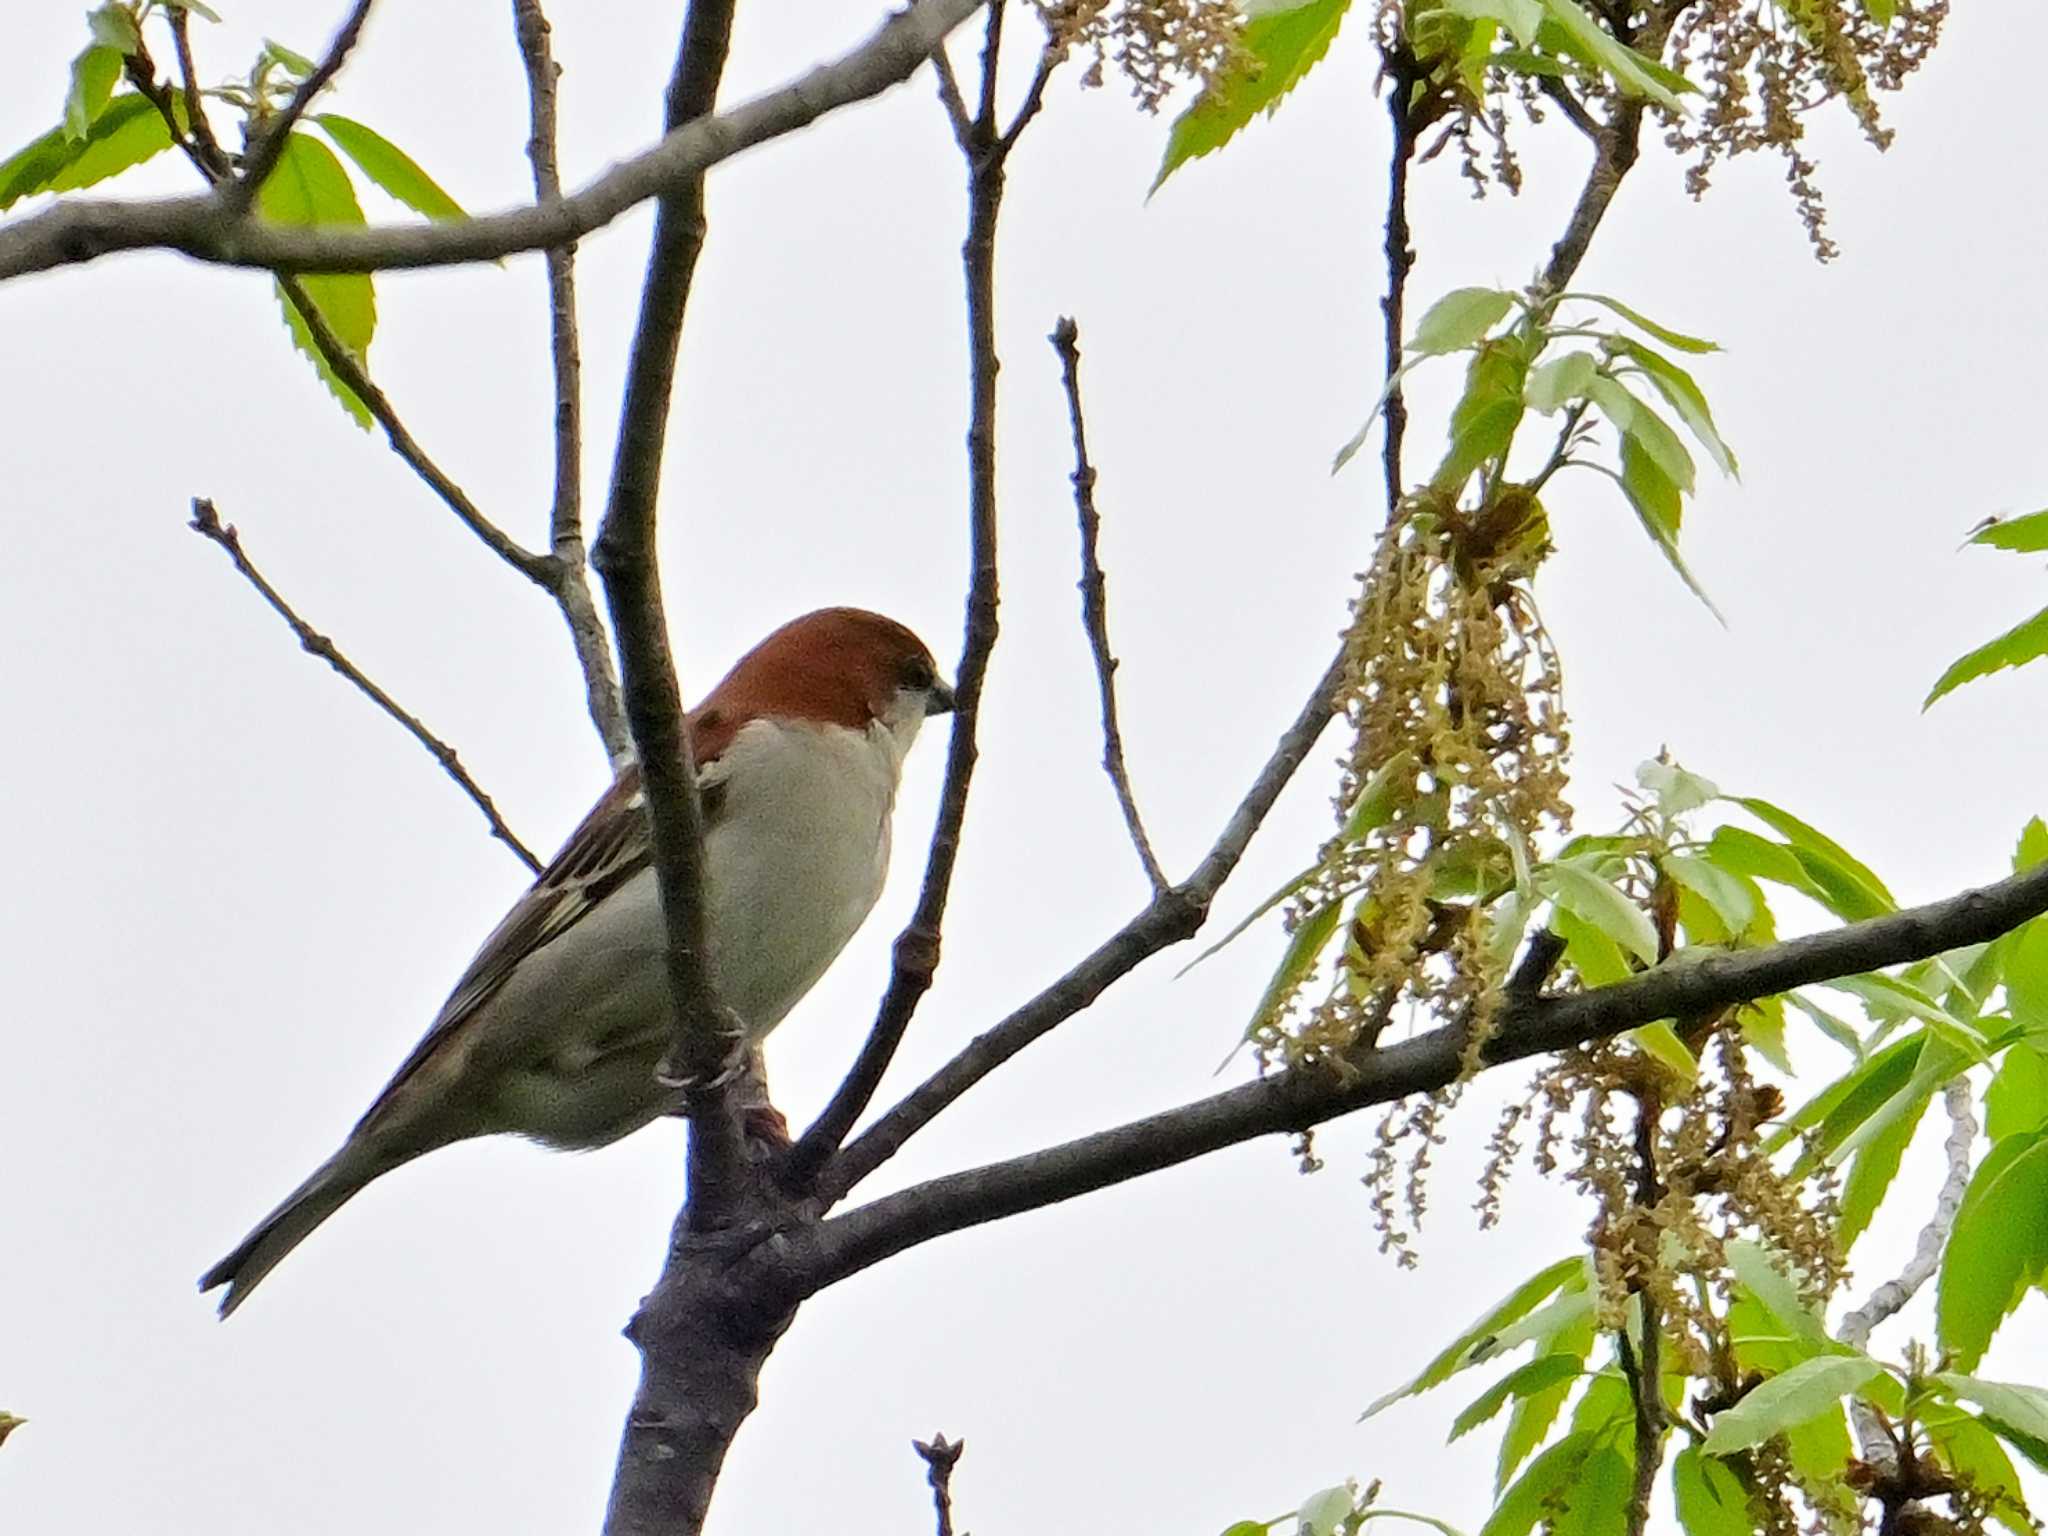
(919,673)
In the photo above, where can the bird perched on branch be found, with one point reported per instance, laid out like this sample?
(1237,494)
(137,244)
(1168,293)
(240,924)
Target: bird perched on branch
(558,1027)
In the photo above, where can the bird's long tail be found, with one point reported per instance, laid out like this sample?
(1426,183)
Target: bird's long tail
(331,1187)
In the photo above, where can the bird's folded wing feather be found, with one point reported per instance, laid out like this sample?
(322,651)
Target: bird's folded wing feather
(606,850)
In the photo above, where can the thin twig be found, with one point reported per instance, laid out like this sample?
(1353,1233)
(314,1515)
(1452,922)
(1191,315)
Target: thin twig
(1289,1102)
(940,1457)
(950,97)
(1400,257)
(83,230)
(267,141)
(571,581)
(915,959)
(1066,341)
(206,522)
(1034,96)
(1644,1374)
(195,101)
(1893,1295)
(1172,916)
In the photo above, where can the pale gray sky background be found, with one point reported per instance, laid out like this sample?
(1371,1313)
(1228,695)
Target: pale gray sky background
(237,895)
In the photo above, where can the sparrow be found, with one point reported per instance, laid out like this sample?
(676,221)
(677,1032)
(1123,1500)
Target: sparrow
(557,1028)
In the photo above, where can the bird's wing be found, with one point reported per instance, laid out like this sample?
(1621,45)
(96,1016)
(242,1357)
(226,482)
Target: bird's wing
(606,850)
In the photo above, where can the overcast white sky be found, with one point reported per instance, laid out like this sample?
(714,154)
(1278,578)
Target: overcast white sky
(238,895)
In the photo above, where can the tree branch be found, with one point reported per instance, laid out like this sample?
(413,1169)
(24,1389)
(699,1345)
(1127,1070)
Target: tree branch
(1400,256)
(1293,1101)
(206,522)
(267,142)
(1170,917)
(940,1457)
(916,956)
(1066,341)
(570,581)
(80,231)
(1893,1295)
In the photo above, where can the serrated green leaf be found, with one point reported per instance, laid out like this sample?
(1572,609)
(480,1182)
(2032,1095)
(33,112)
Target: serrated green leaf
(1634,73)
(2025,962)
(1484,420)
(309,186)
(1596,1501)
(1643,323)
(2027,535)
(1788,1399)
(1731,896)
(1581,892)
(1531,1497)
(1861,1093)
(1872,1170)
(1553,385)
(2016,1103)
(1969,1448)
(1835,1029)
(1566,1274)
(389,167)
(1460,319)
(1642,426)
(2019,1407)
(1545,1371)
(1685,397)
(1655,498)
(1598,960)
(29,169)
(93,75)
(1763,1030)
(1998,1248)
(127,132)
(2032,848)
(1766,1278)
(1710,1498)
(1861,893)
(1520,17)
(1661,1044)
(1280,46)
(1530,1419)
(2015,648)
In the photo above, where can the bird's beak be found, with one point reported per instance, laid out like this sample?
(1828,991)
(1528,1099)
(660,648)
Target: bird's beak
(940,700)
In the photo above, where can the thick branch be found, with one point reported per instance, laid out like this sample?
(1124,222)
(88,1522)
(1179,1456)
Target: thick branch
(1290,1102)
(1066,340)
(916,956)
(206,522)
(1170,917)
(81,231)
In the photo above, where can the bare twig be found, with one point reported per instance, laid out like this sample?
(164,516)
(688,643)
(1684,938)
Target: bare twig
(1066,341)
(77,231)
(1289,1102)
(210,152)
(950,97)
(916,956)
(940,1456)
(267,140)
(206,522)
(570,578)
(1644,1375)
(1034,95)
(1890,1297)
(1172,916)
(1400,256)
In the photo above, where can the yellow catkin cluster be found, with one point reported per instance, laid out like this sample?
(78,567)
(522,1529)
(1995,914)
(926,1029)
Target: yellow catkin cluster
(1454,701)
(1153,44)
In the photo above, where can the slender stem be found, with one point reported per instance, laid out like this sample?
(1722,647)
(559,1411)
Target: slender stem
(206,523)
(267,140)
(1400,257)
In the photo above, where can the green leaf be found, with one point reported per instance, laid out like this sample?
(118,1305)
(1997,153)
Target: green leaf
(203,11)
(1280,46)
(1641,322)
(1710,1498)
(1542,1372)
(309,186)
(113,27)
(1530,1419)
(1684,397)
(1875,1166)
(1249,1528)
(1661,1044)
(1763,1030)
(1999,1246)
(1766,1279)
(297,63)
(1520,17)
(1581,892)
(1646,429)
(2026,535)
(2016,1103)
(1631,71)
(2033,846)
(1835,1029)
(1532,1496)
(1322,1512)
(93,74)
(1597,958)
(389,167)
(1881,11)
(2015,648)
(1734,899)
(1677,790)
(29,169)
(1596,1501)
(1460,319)
(127,132)
(1304,948)
(1656,500)
(1854,892)
(1561,380)
(1789,1399)
(2022,1408)
(1484,420)
(2026,974)
(1568,1274)
(1969,1448)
